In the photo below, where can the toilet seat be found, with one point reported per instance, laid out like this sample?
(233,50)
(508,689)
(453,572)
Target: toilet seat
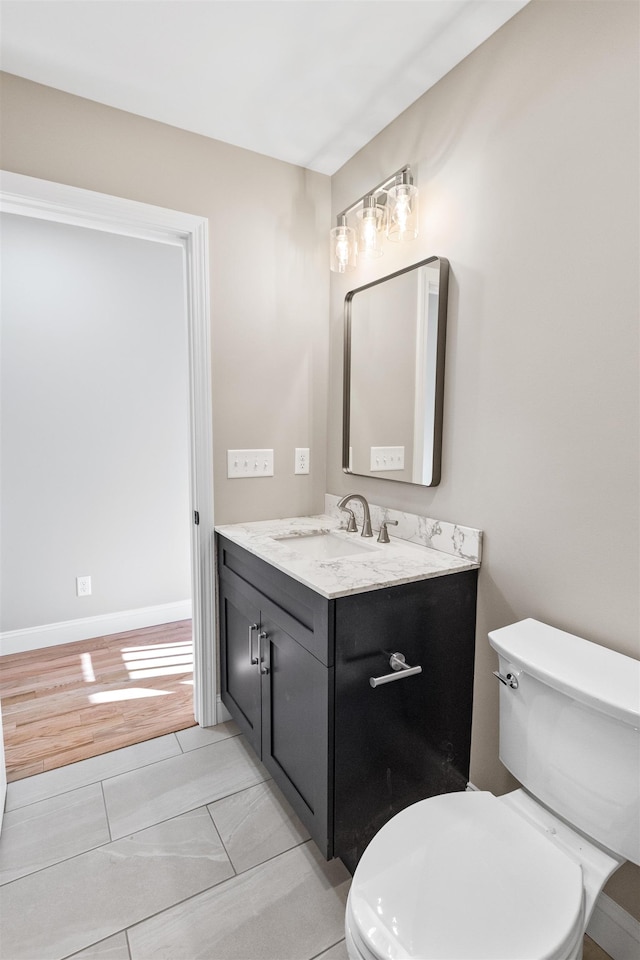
(463,877)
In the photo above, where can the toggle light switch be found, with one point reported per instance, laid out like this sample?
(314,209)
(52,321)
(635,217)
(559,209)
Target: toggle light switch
(386,458)
(249,463)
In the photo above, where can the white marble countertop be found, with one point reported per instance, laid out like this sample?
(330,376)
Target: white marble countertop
(377,565)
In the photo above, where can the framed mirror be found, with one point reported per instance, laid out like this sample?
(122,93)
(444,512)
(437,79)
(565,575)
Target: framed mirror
(394,350)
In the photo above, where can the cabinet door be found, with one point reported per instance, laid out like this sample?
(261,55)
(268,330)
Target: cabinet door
(240,677)
(296,721)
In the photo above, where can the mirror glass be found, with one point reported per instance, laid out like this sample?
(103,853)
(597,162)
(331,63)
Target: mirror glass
(394,374)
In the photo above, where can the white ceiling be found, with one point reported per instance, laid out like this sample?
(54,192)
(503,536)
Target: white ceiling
(305,81)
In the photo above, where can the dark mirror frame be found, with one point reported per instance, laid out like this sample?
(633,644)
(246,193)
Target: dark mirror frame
(439,368)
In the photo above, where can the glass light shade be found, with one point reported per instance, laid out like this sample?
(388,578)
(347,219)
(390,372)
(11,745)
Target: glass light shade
(403,212)
(371,226)
(342,249)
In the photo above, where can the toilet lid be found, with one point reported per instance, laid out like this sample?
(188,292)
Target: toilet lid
(462,877)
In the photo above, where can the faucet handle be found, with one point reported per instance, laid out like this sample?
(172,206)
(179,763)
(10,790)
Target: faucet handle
(383,536)
(352,526)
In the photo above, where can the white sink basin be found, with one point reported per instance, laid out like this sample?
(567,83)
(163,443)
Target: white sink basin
(326,545)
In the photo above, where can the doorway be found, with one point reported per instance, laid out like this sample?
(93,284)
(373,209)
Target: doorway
(25,196)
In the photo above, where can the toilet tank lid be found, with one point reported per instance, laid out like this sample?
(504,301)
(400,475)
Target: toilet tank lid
(601,678)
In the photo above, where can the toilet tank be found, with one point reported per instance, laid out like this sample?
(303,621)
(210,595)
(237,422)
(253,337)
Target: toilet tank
(570,731)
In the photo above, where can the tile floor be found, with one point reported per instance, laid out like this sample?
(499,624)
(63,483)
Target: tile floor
(179,848)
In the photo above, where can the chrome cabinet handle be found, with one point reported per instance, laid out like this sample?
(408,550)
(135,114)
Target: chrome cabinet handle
(401,670)
(509,681)
(262,636)
(253,660)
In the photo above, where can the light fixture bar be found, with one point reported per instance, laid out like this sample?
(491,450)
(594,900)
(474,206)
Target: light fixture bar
(379,188)
(389,209)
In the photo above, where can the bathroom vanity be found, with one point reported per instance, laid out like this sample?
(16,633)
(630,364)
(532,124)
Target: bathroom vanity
(308,616)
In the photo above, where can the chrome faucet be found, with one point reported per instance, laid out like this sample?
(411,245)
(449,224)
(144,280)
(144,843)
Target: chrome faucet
(351,525)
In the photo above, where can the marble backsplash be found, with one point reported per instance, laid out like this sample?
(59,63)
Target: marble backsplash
(451,538)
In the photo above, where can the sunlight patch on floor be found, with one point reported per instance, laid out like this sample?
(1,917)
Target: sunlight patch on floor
(126,693)
(87,668)
(142,650)
(158,672)
(184,659)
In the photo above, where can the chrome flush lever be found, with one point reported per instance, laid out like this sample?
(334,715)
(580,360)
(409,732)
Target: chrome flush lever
(509,681)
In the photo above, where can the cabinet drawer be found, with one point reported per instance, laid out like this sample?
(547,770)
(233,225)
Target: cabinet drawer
(304,614)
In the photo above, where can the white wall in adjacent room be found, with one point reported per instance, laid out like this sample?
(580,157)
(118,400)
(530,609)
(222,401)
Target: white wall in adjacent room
(94,423)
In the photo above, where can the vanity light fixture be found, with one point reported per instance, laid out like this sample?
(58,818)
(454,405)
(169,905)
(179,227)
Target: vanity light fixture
(403,209)
(371,227)
(343,249)
(390,209)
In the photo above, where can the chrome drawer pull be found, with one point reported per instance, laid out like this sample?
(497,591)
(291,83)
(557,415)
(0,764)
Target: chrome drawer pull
(401,670)
(509,681)
(252,659)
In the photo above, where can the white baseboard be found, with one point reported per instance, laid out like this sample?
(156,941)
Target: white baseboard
(615,930)
(51,634)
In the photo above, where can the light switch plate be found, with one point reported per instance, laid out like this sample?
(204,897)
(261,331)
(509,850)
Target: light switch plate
(249,463)
(386,458)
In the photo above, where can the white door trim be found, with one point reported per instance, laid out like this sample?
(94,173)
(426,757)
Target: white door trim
(43,199)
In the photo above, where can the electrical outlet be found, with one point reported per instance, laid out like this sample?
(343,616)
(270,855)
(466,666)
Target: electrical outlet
(83,586)
(302,460)
(249,463)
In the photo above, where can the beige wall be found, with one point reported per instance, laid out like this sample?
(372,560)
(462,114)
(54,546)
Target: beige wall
(527,160)
(269,283)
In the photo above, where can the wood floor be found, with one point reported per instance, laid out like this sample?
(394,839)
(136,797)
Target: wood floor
(77,700)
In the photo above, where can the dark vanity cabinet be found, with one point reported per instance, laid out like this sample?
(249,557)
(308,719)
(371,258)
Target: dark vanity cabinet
(276,680)
(295,675)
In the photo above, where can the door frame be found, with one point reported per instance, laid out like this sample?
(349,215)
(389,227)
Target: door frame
(46,200)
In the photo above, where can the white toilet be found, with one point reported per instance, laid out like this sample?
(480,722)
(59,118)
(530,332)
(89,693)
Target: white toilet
(470,876)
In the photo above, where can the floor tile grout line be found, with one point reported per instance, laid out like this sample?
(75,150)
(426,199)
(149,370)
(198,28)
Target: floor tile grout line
(219,883)
(123,772)
(151,915)
(106,810)
(182,813)
(126,939)
(316,955)
(232,736)
(215,827)
(226,796)
(178,903)
(98,846)
(56,863)
(89,946)
(89,783)
(275,856)
(148,826)
(133,833)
